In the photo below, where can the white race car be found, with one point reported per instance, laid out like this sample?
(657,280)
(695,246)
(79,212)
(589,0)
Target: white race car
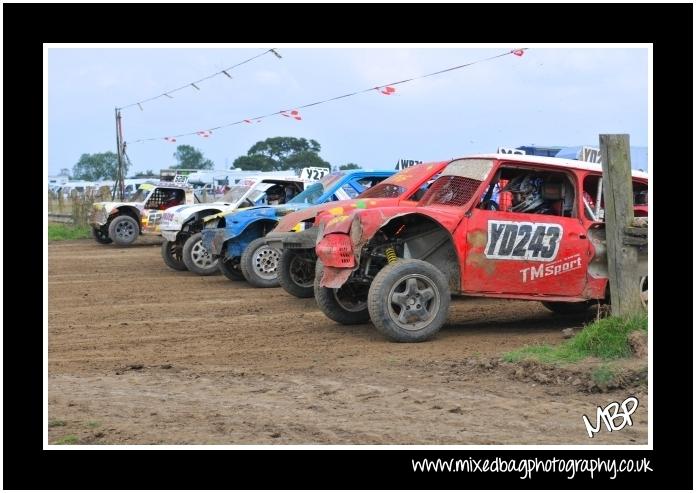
(122,222)
(181,225)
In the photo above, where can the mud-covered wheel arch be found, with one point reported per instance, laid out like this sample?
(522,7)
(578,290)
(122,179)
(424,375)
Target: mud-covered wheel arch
(127,211)
(416,236)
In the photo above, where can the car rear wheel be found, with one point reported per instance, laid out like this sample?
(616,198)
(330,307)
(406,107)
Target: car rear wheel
(296,272)
(172,255)
(123,230)
(260,264)
(197,259)
(346,305)
(409,300)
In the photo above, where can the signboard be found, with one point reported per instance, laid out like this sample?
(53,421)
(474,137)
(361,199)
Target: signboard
(406,163)
(510,150)
(590,154)
(314,173)
(175,175)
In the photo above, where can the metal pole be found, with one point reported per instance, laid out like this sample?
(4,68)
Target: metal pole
(119,184)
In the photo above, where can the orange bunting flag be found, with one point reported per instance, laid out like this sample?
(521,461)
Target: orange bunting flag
(292,114)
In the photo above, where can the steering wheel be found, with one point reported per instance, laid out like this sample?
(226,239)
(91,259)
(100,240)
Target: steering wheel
(489,205)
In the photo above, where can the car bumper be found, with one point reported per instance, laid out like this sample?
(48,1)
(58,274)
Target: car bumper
(169,235)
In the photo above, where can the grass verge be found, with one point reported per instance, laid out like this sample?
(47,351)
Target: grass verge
(58,232)
(606,339)
(66,440)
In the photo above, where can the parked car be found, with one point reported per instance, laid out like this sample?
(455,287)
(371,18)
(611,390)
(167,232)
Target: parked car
(182,248)
(122,222)
(541,240)
(236,237)
(295,237)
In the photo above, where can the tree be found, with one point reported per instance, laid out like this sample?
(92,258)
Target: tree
(188,157)
(281,153)
(349,166)
(145,174)
(99,166)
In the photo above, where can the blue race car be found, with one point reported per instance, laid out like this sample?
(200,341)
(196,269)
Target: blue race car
(237,237)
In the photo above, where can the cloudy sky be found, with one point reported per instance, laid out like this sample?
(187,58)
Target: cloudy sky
(549,96)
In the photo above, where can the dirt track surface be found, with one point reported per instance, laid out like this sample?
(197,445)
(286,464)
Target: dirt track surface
(141,354)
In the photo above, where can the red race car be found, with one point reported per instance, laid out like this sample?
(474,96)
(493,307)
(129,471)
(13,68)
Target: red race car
(295,237)
(496,225)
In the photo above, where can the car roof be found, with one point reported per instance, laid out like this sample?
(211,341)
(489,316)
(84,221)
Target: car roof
(549,161)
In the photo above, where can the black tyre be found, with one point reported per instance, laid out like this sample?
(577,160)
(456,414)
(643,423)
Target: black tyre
(565,308)
(259,264)
(196,257)
(409,300)
(101,235)
(230,268)
(296,272)
(346,305)
(172,255)
(124,230)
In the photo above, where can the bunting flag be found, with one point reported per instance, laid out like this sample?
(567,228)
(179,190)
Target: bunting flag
(195,83)
(385,89)
(292,114)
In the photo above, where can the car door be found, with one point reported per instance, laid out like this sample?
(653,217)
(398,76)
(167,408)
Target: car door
(525,254)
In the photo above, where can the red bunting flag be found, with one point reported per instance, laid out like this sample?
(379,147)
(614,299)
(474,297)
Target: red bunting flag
(387,91)
(170,139)
(292,114)
(518,52)
(204,133)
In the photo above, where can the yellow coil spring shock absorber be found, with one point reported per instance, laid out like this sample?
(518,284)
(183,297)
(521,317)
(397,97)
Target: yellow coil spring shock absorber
(391,255)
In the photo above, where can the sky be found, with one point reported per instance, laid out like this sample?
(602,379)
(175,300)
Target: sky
(563,96)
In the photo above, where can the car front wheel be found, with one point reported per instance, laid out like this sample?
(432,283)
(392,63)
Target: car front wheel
(296,272)
(346,305)
(197,258)
(409,300)
(124,230)
(259,264)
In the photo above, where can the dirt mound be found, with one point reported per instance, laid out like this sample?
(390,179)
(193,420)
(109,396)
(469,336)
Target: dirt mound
(638,341)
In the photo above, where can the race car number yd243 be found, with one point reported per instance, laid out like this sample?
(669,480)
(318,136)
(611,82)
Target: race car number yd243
(513,240)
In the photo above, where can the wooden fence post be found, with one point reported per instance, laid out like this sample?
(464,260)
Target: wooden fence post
(624,278)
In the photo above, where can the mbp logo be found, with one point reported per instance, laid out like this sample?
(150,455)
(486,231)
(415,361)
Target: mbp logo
(609,414)
(513,240)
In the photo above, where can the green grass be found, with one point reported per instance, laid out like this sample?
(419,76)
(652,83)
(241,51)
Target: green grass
(67,440)
(56,422)
(93,424)
(57,232)
(606,339)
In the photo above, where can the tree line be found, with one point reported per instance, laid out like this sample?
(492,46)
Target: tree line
(272,154)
